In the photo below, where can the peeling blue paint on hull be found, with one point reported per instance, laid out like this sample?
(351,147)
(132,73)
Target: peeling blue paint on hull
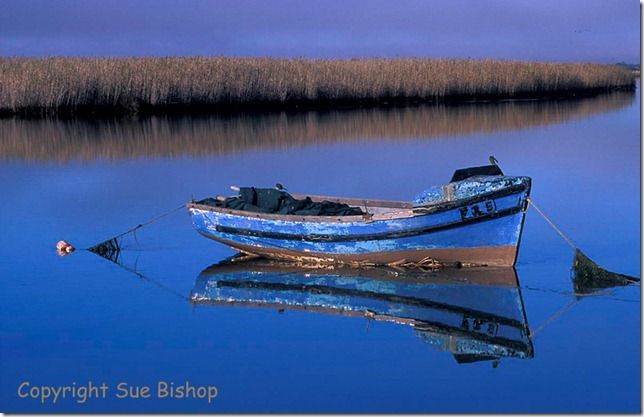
(484,229)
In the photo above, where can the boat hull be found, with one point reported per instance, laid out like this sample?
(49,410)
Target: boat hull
(482,231)
(480,256)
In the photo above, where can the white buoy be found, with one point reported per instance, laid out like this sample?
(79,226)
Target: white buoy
(63,248)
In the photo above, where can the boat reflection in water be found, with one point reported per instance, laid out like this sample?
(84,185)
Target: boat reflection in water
(475,314)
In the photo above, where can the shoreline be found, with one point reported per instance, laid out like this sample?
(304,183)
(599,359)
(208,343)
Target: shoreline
(146,110)
(200,85)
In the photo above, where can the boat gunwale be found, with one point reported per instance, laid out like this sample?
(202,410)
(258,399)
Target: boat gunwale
(408,212)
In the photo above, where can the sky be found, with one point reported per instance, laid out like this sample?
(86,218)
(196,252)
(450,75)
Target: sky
(544,30)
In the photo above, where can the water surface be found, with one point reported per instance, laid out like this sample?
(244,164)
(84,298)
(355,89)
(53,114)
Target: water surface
(83,318)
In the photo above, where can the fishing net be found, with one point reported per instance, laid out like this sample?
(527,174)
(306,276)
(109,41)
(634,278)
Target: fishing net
(109,249)
(588,277)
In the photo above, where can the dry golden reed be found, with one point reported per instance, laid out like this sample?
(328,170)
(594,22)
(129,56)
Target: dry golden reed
(130,83)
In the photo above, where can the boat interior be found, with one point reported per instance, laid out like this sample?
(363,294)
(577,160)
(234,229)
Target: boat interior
(277,202)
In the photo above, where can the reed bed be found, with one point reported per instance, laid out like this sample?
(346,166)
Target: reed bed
(57,140)
(51,85)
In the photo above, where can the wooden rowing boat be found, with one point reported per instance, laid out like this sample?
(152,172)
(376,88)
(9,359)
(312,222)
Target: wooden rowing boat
(475,220)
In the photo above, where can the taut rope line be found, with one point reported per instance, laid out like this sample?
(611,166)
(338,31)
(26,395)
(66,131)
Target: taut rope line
(553,317)
(152,220)
(556,229)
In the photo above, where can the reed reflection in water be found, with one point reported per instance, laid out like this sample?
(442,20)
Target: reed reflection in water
(59,140)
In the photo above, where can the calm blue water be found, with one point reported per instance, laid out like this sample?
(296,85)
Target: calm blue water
(82,318)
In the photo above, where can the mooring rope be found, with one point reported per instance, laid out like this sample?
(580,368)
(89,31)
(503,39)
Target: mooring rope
(135,228)
(554,317)
(557,314)
(606,294)
(152,220)
(110,250)
(151,280)
(547,219)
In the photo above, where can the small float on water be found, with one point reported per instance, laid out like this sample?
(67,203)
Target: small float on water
(474,220)
(476,314)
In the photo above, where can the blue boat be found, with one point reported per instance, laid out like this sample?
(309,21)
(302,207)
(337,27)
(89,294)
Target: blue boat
(475,314)
(474,220)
